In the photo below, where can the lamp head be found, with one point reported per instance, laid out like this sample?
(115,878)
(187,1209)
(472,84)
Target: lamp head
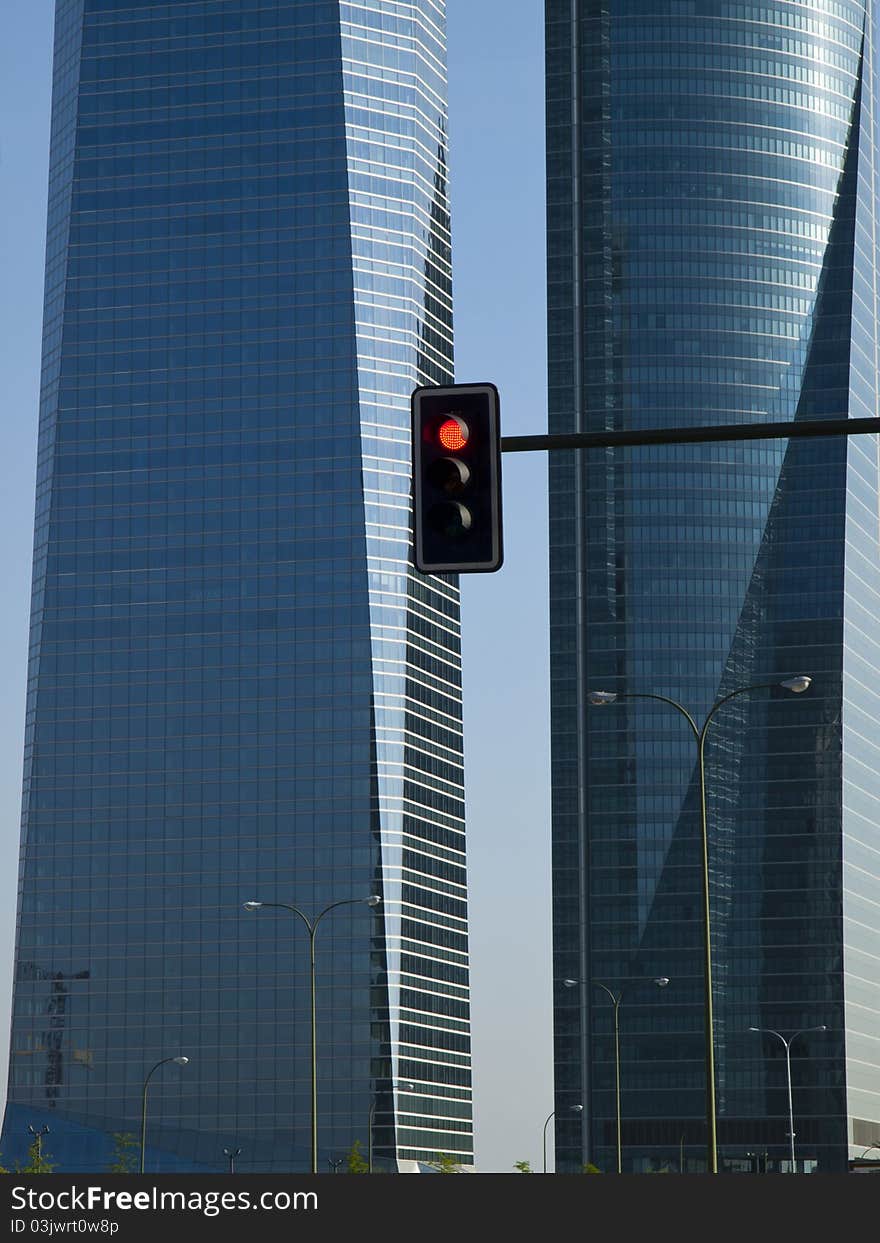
(598,698)
(373,900)
(797,685)
(578,1109)
(754,1029)
(661,980)
(251,906)
(181,1061)
(570,983)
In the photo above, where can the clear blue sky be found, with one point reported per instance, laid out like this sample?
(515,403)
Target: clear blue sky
(497,167)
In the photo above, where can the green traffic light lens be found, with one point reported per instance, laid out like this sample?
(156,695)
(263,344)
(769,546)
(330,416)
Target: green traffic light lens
(450,519)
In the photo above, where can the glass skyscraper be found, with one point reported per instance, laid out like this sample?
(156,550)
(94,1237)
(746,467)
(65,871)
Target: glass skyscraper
(239,688)
(712,258)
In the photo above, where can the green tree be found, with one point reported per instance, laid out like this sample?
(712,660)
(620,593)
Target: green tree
(446,1164)
(126,1152)
(589,1168)
(38,1162)
(356,1162)
(523,1167)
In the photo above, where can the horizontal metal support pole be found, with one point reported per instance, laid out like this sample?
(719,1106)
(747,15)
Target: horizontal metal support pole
(691,435)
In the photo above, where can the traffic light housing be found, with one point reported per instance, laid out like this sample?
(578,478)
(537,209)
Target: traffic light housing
(456,462)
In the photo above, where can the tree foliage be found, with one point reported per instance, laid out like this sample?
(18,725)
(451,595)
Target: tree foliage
(126,1152)
(523,1167)
(38,1162)
(356,1162)
(446,1164)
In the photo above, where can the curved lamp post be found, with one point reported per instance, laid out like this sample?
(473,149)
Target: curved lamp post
(871,1147)
(180,1061)
(768,1031)
(312,927)
(661,981)
(797,686)
(403,1087)
(577,1109)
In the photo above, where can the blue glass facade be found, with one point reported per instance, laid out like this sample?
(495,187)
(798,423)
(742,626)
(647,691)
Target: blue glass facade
(712,258)
(239,687)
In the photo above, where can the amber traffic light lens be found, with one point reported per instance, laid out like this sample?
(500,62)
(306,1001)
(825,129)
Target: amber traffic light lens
(449,475)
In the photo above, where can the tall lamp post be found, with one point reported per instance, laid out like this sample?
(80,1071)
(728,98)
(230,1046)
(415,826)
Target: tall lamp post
(180,1061)
(768,1031)
(661,981)
(403,1087)
(231,1153)
(577,1109)
(312,927)
(38,1139)
(797,686)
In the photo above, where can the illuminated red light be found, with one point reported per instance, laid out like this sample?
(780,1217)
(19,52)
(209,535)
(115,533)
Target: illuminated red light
(453,434)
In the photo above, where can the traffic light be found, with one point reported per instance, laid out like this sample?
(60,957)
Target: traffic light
(456,461)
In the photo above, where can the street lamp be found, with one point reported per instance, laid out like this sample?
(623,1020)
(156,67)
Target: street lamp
(231,1153)
(312,927)
(577,1109)
(403,1087)
(180,1061)
(768,1031)
(661,981)
(797,685)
